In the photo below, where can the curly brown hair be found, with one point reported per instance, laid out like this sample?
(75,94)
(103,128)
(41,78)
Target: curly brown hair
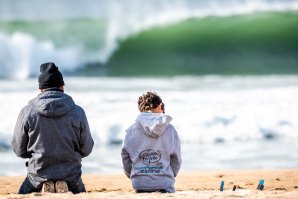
(148,101)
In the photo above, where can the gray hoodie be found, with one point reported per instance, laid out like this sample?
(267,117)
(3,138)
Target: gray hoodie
(151,153)
(53,132)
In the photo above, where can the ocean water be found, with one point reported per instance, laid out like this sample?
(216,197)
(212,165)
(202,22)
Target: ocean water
(224,122)
(227,71)
(140,37)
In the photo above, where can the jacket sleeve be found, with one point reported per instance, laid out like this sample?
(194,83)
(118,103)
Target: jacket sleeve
(126,161)
(86,140)
(20,136)
(175,157)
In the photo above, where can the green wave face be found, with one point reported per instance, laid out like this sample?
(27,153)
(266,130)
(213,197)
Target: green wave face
(260,43)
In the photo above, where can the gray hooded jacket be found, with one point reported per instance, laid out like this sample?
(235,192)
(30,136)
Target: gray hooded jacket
(53,132)
(151,153)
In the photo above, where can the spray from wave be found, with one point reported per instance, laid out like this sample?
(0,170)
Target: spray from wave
(22,52)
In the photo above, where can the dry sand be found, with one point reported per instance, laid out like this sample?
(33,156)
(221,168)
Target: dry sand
(279,183)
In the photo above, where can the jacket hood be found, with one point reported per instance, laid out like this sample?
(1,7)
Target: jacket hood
(154,124)
(52,103)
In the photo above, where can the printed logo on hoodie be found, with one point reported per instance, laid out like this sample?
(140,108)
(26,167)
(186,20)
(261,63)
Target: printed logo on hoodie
(151,158)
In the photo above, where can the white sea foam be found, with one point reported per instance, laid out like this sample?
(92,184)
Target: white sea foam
(205,109)
(21,56)
(223,122)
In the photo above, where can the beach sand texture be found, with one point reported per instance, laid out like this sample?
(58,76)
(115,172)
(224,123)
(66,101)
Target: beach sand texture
(278,183)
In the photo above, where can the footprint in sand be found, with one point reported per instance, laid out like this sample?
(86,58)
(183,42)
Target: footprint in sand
(280,189)
(219,175)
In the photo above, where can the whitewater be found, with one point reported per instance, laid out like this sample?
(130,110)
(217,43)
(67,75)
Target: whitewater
(223,121)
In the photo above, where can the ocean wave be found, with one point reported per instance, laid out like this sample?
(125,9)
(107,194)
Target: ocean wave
(261,43)
(93,31)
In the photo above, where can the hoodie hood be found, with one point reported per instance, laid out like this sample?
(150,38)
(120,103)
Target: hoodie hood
(52,103)
(153,124)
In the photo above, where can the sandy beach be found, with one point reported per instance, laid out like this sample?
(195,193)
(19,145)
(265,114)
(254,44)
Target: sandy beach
(278,183)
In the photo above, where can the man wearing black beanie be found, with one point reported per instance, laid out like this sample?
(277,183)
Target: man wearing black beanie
(50,76)
(53,133)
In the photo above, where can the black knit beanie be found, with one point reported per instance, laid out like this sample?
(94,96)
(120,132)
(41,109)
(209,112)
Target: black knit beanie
(50,76)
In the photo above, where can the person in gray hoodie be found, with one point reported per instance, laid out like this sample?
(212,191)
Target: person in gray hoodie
(53,133)
(151,153)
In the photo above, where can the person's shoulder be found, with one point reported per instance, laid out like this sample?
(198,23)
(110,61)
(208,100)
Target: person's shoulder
(28,112)
(28,109)
(78,107)
(78,111)
(132,130)
(170,128)
(171,131)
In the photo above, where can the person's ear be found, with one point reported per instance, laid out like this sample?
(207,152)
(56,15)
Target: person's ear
(61,87)
(163,107)
(159,108)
